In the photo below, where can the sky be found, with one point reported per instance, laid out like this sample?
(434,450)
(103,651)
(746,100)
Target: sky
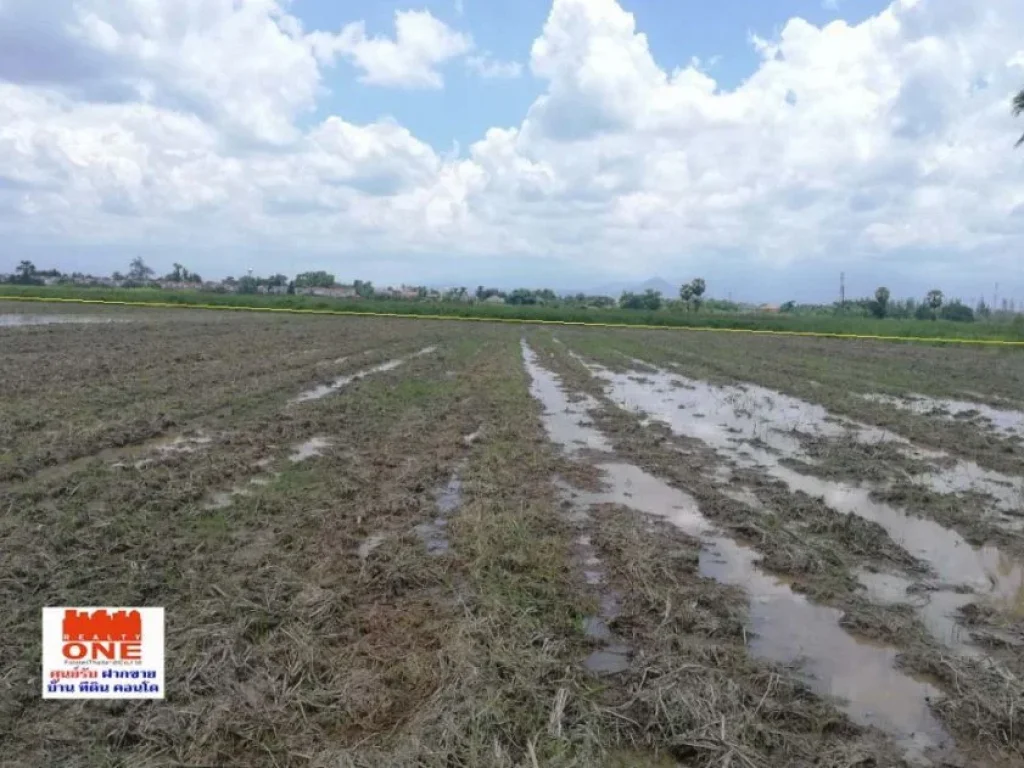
(764,146)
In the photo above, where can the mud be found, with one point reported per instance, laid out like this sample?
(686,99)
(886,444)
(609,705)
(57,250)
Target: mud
(788,627)
(18,321)
(783,425)
(566,421)
(369,544)
(1008,423)
(755,432)
(138,456)
(938,608)
(314,446)
(316,393)
(447,499)
(613,654)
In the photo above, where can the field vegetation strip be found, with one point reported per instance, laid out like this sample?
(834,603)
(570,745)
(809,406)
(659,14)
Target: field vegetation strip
(490,317)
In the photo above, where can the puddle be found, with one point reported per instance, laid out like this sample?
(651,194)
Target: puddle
(613,655)
(567,423)
(749,413)
(789,629)
(315,446)
(610,660)
(224,499)
(936,607)
(181,443)
(1003,422)
(447,499)
(325,389)
(18,321)
(987,570)
(370,544)
(123,457)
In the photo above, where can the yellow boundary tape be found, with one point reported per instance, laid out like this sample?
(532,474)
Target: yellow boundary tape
(513,320)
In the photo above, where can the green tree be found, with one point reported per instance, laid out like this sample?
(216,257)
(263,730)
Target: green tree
(698,286)
(248,284)
(649,299)
(319,279)
(691,293)
(138,271)
(686,294)
(958,312)
(26,271)
(934,299)
(364,289)
(522,296)
(880,306)
(482,294)
(924,312)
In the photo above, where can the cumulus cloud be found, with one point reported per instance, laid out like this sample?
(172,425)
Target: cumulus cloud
(410,60)
(244,67)
(158,122)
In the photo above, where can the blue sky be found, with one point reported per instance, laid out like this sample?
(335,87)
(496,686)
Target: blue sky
(715,33)
(561,143)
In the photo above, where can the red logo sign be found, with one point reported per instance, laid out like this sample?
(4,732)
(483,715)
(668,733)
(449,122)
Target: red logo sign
(96,635)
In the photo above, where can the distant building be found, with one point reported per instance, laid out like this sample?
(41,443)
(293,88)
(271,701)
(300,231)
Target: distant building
(404,292)
(495,299)
(769,308)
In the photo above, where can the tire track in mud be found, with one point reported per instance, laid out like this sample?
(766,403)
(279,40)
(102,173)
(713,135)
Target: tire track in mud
(754,428)
(316,444)
(1003,422)
(789,628)
(154,443)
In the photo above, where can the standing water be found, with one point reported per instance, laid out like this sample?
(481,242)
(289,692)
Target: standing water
(789,628)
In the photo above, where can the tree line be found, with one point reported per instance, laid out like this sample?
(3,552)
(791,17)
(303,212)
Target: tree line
(692,295)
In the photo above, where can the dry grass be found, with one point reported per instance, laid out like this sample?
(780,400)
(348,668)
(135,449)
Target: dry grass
(287,647)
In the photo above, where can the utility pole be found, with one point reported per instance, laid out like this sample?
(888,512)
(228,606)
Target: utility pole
(842,290)
(995,298)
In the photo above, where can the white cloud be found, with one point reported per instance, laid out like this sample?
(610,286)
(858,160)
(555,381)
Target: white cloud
(490,68)
(243,66)
(886,144)
(410,60)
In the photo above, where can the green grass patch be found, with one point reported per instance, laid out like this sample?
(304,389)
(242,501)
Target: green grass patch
(825,324)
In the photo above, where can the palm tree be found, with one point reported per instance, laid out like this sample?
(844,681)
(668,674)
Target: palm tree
(1018,109)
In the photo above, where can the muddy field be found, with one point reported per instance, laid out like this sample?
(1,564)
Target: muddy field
(416,543)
